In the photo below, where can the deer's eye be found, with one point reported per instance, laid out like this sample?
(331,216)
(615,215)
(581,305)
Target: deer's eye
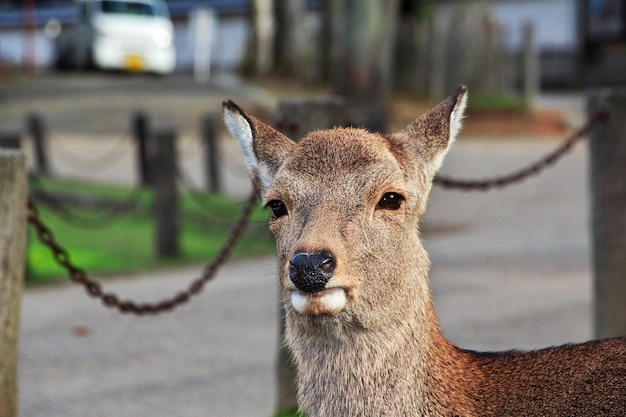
(278,208)
(390,201)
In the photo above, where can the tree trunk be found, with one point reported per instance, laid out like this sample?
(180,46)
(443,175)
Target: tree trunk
(363,70)
(290,38)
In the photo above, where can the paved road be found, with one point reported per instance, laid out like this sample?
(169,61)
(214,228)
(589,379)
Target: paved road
(510,269)
(210,358)
(96,104)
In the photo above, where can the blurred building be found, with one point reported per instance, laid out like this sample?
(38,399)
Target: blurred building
(603,41)
(579,42)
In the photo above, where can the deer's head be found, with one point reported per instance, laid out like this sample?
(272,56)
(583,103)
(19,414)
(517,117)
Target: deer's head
(345,206)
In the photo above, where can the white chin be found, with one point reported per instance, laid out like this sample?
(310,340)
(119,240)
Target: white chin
(327,302)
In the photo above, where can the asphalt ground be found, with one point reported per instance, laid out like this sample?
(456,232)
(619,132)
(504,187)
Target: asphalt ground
(510,269)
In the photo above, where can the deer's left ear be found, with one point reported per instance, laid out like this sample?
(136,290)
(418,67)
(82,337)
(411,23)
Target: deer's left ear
(264,148)
(434,132)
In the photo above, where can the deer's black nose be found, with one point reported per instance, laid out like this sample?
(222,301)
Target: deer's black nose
(310,272)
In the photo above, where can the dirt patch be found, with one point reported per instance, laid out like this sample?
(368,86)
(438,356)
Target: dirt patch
(498,123)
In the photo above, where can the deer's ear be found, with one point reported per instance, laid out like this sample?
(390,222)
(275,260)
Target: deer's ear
(434,132)
(264,148)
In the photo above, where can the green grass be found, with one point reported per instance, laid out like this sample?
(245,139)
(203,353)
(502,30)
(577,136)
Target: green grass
(289,413)
(126,243)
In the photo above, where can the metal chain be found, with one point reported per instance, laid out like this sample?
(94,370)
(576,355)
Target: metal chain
(193,190)
(97,162)
(113,214)
(111,300)
(524,173)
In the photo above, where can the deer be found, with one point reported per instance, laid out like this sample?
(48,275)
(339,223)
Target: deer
(345,207)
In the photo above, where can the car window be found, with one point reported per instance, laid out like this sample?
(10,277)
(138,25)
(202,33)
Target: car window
(130,8)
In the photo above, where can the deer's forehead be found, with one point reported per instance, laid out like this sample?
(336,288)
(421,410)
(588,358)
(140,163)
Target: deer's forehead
(342,151)
(335,165)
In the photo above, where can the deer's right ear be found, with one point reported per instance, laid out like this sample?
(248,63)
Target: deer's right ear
(434,132)
(264,148)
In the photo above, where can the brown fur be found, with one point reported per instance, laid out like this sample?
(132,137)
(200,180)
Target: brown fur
(383,354)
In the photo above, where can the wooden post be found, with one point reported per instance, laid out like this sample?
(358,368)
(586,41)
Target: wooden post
(10,140)
(167,214)
(36,128)
(141,133)
(296,117)
(608,195)
(13,188)
(212,153)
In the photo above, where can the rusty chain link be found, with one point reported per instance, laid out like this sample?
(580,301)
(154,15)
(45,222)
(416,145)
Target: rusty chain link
(114,213)
(111,300)
(524,173)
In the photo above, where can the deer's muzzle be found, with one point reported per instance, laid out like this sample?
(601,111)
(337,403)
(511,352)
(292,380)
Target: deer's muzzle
(310,272)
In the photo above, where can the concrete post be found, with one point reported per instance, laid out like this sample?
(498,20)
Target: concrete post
(13,186)
(203,21)
(531,66)
(263,25)
(608,195)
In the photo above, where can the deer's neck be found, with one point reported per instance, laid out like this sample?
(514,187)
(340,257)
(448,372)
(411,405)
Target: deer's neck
(408,369)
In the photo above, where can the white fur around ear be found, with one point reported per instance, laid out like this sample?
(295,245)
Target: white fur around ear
(456,117)
(438,161)
(240,128)
(456,122)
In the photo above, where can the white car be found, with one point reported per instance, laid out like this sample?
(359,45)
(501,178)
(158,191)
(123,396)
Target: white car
(130,35)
